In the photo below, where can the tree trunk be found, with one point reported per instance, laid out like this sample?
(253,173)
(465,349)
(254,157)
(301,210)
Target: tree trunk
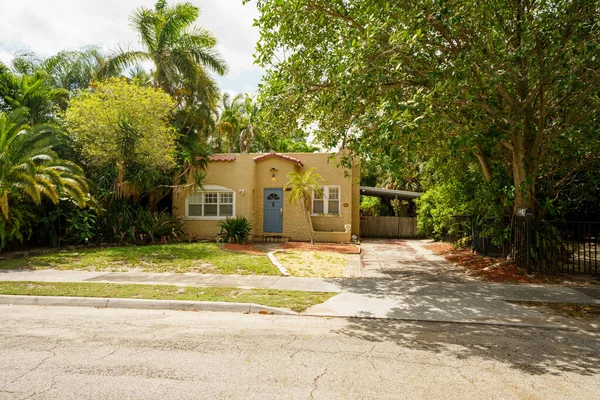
(309,224)
(524,174)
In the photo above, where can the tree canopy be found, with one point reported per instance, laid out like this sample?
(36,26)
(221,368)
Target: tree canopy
(512,83)
(121,124)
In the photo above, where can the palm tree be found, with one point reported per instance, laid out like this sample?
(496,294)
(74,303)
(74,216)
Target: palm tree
(30,168)
(181,53)
(301,188)
(230,119)
(34,93)
(249,124)
(68,69)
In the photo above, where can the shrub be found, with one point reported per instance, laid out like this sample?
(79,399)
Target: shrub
(160,227)
(139,226)
(235,230)
(67,223)
(547,246)
(17,227)
(370,206)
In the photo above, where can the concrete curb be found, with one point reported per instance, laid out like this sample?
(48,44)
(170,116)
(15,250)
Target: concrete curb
(146,304)
(276,263)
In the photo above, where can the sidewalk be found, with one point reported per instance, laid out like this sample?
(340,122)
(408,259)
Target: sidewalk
(471,302)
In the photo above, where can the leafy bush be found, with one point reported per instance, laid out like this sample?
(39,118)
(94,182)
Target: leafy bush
(547,246)
(17,227)
(465,194)
(157,227)
(235,230)
(370,206)
(67,223)
(139,226)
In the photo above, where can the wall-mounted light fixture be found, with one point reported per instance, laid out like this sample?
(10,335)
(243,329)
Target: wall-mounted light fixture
(273,170)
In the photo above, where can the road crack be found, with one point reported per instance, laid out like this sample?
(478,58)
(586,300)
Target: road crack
(316,382)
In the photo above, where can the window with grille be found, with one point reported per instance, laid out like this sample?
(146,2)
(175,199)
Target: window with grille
(210,204)
(327,202)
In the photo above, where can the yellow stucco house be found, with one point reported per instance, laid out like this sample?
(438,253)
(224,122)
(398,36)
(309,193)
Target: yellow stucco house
(252,185)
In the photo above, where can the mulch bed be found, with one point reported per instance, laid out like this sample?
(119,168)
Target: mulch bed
(577,311)
(245,248)
(333,247)
(255,248)
(481,266)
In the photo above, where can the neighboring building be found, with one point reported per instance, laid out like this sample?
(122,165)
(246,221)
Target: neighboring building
(252,185)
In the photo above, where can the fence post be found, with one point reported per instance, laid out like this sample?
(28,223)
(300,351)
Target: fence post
(473,234)
(528,245)
(526,214)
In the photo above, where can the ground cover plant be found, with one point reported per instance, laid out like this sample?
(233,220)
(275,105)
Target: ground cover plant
(292,299)
(178,257)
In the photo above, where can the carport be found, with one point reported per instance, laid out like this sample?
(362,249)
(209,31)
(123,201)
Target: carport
(388,227)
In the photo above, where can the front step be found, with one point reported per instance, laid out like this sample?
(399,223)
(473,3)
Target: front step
(270,239)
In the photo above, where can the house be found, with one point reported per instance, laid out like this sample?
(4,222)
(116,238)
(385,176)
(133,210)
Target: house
(252,185)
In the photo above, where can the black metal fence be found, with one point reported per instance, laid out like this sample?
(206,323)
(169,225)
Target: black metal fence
(566,247)
(471,231)
(563,247)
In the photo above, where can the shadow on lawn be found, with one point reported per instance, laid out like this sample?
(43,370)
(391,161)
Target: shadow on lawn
(536,351)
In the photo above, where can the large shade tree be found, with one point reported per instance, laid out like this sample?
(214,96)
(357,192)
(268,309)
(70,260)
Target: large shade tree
(511,82)
(124,128)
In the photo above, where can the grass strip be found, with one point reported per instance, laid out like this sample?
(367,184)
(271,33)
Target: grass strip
(177,257)
(293,299)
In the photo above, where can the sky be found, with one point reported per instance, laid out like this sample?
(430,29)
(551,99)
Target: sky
(49,26)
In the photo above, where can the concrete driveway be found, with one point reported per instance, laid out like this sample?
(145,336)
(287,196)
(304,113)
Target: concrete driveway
(407,260)
(404,280)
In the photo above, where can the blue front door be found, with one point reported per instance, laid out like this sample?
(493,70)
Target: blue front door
(273,216)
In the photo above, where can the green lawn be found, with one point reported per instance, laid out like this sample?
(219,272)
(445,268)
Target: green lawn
(179,257)
(292,299)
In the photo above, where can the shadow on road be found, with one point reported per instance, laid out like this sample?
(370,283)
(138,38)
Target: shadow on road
(533,350)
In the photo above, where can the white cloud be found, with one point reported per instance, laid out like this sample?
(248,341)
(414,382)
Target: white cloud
(47,27)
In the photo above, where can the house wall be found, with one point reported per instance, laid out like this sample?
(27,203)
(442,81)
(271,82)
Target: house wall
(235,175)
(250,177)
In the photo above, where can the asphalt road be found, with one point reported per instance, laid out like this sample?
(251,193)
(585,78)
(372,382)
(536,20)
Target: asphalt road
(87,353)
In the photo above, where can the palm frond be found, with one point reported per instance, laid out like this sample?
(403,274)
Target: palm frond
(144,22)
(124,59)
(176,20)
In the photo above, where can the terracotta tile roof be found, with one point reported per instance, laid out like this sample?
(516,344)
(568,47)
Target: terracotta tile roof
(278,155)
(229,157)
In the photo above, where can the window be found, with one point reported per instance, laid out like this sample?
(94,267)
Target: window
(210,203)
(327,202)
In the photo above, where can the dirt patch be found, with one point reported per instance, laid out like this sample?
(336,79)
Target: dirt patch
(313,264)
(487,268)
(333,247)
(398,242)
(245,248)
